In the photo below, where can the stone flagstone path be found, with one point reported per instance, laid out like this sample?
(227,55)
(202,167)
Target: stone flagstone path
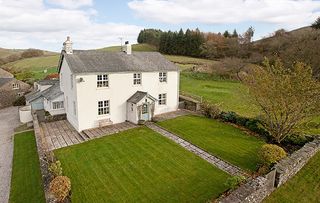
(227,167)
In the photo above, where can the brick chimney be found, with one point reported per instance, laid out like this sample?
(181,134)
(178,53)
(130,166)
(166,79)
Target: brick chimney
(67,46)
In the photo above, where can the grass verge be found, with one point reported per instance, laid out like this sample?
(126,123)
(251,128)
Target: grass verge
(26,180)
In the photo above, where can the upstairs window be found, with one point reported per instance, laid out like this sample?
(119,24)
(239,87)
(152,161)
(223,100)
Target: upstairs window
(57,105)
(102,81)
(163,77)
(15,86)
(137,78)
(162,99)
(103,107)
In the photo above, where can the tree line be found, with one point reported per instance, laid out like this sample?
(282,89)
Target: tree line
(196,43)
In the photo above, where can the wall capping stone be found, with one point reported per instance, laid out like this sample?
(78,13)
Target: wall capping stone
(257,189)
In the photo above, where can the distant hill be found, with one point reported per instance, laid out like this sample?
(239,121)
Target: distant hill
(301,45)
(7,52)
(135,47)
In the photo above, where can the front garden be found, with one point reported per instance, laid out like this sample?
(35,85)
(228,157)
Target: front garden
(139,165)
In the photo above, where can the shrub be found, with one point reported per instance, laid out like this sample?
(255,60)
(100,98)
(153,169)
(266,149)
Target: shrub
(56,169)
(234,181)
(210,110)
(20,101)
(229,116)
(60,187)
(270,154)
(295,139)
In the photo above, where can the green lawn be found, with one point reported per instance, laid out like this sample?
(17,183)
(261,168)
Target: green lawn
(138,165)
(26,180)
(230,95)
(303,187)
(220,139)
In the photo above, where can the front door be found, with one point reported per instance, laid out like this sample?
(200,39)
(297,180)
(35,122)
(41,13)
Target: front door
(145,112)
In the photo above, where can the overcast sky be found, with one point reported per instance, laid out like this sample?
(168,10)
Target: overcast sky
(44,24)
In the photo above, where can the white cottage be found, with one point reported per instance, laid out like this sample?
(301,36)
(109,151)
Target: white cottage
(102,88)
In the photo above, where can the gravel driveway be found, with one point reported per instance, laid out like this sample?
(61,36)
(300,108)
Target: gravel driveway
(9,119)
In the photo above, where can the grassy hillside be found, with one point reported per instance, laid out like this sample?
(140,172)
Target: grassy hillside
(135,47)
(7,52)
(36,66)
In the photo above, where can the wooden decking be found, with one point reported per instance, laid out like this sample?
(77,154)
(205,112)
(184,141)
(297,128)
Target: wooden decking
(60,134)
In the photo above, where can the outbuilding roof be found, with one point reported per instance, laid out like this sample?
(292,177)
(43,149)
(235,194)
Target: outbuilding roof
(4,81)
(50,93)
(5,74)
(94,61)
(48,82)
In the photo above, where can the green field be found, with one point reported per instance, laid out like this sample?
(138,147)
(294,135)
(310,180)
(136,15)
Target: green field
(220,139)
(26,183)
(229,95)
(138,165)
(303,187)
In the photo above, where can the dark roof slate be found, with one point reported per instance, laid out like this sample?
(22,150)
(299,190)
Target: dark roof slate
(138,96)
(4,81)
(50,93)
(93,61)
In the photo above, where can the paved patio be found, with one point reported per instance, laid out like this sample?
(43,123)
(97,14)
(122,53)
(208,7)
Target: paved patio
(60,134)
(171,115)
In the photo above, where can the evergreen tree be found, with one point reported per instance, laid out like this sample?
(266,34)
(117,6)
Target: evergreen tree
(316,24)
(226,34)
(235,34)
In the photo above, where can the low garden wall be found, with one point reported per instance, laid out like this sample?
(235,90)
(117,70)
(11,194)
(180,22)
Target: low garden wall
(289,166)
(43,157)
(255,190)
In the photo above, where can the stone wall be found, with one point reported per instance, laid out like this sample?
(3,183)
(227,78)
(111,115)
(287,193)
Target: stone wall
(43,157)
(255,190)
(289,166)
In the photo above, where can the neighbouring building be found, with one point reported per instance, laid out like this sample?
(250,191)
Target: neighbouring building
(47,96)
(10,88)
(101,88)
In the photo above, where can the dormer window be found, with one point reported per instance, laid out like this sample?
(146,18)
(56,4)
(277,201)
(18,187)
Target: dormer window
(102,80)
(137,78)
(15,86)
(163,77)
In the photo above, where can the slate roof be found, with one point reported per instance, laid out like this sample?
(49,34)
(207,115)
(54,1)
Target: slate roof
(94,61)
(4,81)
(50,93)
(33,95)
(5,74)
(138,96)
(48,82)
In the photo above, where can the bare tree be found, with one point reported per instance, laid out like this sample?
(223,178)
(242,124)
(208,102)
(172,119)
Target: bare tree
(286,96)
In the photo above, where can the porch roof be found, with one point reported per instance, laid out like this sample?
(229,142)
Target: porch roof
(138,96)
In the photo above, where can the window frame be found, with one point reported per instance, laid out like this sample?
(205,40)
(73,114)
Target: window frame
(137,78)
(15,86)
(103,108)
(162,99)
(102,80)
(59,104)
(163,77)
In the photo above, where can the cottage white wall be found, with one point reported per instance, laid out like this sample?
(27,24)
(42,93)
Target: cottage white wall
(70,94)
(49,107)
(120,89)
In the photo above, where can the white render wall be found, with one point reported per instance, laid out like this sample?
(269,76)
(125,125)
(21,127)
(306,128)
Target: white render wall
(48,106)
(70,94)
(120,89)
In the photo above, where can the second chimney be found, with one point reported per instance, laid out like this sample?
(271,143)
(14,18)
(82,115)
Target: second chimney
(127,48)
